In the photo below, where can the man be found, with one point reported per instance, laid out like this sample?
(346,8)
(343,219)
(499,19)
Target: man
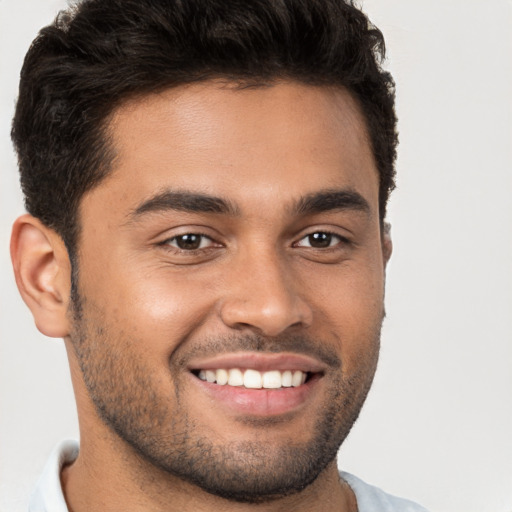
(207,186)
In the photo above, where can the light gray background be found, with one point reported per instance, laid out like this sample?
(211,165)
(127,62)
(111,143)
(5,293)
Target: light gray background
(438,423)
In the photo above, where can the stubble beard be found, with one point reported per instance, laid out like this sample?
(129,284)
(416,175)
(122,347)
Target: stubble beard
(127,399)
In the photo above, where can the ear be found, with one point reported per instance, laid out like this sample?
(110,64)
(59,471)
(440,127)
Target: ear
(43,274)
(387,243)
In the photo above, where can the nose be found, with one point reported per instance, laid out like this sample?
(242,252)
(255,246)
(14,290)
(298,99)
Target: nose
(263,296)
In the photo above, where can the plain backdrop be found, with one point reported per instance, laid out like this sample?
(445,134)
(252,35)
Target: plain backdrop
(437,427)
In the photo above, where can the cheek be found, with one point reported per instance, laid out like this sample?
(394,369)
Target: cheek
(159,307)
(349,308)
(351,292)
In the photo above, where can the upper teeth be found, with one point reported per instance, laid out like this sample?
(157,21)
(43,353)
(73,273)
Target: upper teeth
(254,379)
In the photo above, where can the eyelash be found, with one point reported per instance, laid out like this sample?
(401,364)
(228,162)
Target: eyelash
(168,242)
(341,239)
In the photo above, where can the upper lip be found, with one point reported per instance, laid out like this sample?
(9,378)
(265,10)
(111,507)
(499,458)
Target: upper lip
(259,361)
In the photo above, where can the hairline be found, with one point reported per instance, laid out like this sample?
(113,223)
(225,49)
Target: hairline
(238,83)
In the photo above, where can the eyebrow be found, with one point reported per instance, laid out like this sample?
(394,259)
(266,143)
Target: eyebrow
(328,200)
(184,201)
(197,202)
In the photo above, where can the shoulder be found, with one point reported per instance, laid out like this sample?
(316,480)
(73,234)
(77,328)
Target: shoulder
(373,499)
(47,495)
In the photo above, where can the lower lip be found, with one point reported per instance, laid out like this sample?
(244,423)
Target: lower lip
(259,402)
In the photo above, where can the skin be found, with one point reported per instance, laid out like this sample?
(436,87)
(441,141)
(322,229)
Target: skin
(146,309)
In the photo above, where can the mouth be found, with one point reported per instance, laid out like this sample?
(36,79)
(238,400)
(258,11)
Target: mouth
(259,384)
(254,379)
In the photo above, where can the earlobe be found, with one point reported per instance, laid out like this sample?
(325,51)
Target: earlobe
(387,243)
(43,274)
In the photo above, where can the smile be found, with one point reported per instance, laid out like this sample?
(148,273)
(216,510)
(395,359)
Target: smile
(254,379)
(258,384)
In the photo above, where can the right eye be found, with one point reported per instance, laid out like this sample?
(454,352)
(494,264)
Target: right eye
(189,242)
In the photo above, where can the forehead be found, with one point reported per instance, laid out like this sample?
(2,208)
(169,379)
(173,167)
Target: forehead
(278,142)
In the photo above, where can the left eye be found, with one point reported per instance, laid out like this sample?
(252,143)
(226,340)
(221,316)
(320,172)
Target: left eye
(189,242)
(319,240)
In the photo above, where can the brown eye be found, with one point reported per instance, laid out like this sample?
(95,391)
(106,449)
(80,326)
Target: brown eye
(190,242)
(320,240)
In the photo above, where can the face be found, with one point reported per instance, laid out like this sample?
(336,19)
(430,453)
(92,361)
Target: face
(230,289)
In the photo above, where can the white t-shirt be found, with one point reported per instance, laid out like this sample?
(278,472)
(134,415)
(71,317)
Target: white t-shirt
(48,496)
